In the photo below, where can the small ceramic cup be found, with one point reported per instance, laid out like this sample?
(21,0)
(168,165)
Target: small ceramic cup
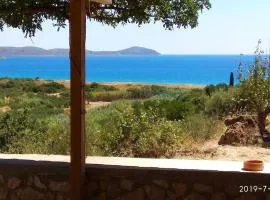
(253,165)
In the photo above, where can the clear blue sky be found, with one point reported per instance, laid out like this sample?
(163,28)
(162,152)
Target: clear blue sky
(229,27)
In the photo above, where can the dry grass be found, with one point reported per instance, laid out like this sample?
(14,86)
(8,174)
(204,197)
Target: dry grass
(91,105)
(58,95)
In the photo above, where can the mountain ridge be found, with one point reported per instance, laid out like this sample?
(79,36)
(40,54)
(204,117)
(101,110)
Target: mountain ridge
(37,51)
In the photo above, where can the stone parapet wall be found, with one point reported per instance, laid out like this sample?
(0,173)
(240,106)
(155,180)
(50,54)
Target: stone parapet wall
(125,189)
(38,180)
(170,185)
(33,187)
(25,179)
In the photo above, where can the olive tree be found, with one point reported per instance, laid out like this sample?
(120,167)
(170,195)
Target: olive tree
(28,15)
(255,85)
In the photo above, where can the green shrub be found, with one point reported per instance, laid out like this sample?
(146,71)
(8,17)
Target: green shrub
(39,105)
(201,127)
(119,131)
(14,125)
(29,85)
(2,101)
(145,92)
(95,87)
(210,89)
(8,85)
(168,94)
(139,93)
(106,96)
(196,98)
(26,85)
(160,139)
(53,139)
(51,87)
(222,86)
(223,103)
(171,110)
(98,92)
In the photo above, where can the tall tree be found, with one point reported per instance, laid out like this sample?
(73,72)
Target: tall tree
(255,85)
(231,80)
(28,15)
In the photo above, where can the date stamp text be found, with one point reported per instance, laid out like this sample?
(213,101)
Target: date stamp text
(254,188)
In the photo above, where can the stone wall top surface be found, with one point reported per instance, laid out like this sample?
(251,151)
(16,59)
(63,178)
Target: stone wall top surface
(204,165)
(115,162)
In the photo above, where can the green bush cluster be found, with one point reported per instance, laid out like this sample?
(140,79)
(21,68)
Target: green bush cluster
(125,129)
(120,131)
(210,89)
(142,121)
(53,139)
(21,133)
(14,126)
(201,127)
(144,92)
(40,105)
(51,87)
(105,96)
(169,109)
(98,88)
(223,103)
(196,98)
(108,93)
(29,85)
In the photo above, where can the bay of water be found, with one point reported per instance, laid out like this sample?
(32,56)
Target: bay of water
(165,69)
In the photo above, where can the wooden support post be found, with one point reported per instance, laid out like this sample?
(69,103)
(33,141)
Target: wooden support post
(77,67)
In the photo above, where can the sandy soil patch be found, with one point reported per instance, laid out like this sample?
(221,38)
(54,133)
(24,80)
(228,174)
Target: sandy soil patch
(92,105)
(58,95)
(5,109)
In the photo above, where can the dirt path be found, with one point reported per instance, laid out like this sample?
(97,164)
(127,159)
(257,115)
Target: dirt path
(210,150)
(92,105)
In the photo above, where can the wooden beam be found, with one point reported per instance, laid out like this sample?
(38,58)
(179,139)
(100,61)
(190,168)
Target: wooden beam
(77,67)
(102,1)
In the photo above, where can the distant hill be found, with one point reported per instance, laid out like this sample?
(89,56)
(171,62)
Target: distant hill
(12,51)
(35,51)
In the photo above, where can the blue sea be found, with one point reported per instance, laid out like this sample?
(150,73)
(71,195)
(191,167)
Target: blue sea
(165,69)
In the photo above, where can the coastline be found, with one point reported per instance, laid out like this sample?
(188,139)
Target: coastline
(182,86)
(128,84)
(120,85)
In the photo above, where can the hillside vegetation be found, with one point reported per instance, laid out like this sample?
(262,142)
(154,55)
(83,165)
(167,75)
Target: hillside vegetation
(137,121)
